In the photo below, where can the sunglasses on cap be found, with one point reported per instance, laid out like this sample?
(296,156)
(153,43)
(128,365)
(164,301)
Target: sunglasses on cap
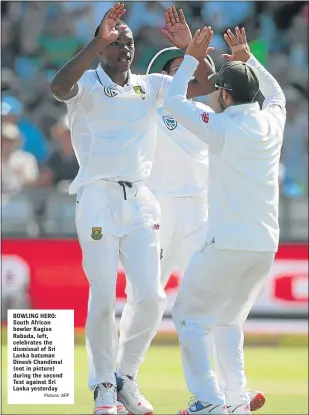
(217,86)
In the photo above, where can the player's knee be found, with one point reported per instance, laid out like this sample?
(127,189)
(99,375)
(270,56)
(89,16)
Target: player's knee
(155,300)
(101,307)
(102,299)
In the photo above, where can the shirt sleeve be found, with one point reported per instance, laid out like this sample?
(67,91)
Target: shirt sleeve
(274,101)
(197,118)
(159,85)
(84,86)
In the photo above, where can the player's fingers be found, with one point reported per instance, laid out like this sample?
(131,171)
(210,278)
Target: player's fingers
(202,36)
(210,49)
(182,16)
(175,13)
(226,56)
(171,15)
(196,35)
(117,7)
(167,34)
(228,40)
(232,37)
(207,36)
(167,19)
(244,35)
(209,33)
(108,14)
(120,13)
(238,35)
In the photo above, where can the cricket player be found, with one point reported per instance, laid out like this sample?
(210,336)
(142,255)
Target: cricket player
(179,181)
(226,275)
(113,127)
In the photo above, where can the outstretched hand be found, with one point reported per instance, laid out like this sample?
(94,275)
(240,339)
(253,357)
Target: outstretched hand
(238,44)
(199,46)
(108,30)
(178,31)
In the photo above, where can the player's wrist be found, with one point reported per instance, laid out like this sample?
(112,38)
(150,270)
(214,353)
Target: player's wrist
(190,58)
(99,43)
(241,53)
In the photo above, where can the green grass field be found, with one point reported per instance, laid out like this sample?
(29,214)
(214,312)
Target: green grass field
(281,372)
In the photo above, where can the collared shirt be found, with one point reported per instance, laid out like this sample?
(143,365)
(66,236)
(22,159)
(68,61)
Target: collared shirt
(113,128)
(245,144)
(180,166)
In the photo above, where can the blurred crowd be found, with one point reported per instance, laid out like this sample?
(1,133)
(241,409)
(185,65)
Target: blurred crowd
(39,37)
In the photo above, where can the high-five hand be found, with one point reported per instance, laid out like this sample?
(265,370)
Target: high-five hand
(108,30)
(238,44)
(199,46)
(177,31)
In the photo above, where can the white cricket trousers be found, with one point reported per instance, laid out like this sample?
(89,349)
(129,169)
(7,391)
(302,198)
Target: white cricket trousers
(182,232)
(216,295)
(129,235)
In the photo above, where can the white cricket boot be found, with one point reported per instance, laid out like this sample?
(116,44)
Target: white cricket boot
(132,398)
(105,398)
(198,407)
(122,410)
(239,409)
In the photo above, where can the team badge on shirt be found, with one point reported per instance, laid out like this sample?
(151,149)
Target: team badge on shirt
(139,91)
(109,92)
(96,234)
(170,122)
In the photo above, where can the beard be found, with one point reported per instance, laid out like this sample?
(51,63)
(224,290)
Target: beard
(221,102)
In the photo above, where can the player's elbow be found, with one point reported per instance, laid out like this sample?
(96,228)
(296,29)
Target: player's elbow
(59,87)
(280,97)
(283,99)
(56,88)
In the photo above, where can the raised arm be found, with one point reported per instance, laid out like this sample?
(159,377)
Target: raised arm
(64,85)
(196,118)
(269,87)
(178,33)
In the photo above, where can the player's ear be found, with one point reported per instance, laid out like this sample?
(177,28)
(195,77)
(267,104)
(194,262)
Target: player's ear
(225,94)
(164,72)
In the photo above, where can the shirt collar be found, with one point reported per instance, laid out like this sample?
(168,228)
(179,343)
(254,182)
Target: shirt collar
(252,107)
(106,80)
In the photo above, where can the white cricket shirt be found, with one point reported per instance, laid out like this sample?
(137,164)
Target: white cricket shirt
(180,166)
(245,144)
(114,128)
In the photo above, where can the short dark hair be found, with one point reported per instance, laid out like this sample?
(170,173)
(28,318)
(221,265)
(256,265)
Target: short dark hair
(238,101)
(118,24)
